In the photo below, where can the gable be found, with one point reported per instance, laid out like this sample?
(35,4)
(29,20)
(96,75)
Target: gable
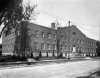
(76,32)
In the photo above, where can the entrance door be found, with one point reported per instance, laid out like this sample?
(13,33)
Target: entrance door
(74,49)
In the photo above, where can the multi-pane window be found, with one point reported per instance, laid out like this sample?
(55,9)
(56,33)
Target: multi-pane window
(37,33)
(49,35)
(43,35)
(48,46)
(77,41)
(35,45)
(92,43)
(82,41)
(74,40)
(54,46)
(54,35)
(74,33)
(18,33)
(66,47)
(42,46)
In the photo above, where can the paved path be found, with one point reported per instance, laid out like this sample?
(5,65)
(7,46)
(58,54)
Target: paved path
(53,70)
(44,61)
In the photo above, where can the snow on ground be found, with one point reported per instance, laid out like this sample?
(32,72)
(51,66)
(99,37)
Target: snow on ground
(62,70)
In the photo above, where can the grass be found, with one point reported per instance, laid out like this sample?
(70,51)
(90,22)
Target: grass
(92,75)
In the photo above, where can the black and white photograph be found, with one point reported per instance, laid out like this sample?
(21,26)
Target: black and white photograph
(49,38)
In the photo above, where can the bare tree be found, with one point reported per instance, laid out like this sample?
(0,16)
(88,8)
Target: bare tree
(10,13)
(22,39)
(15,15)
(14,12)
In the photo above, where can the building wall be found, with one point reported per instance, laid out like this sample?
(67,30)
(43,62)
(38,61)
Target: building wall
(68,41)
(91,47)
(74,43)
(8,42)
(42,39)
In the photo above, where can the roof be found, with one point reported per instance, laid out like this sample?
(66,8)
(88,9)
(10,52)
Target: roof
(42,26)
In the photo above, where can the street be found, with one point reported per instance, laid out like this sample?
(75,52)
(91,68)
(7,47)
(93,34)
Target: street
(52,70)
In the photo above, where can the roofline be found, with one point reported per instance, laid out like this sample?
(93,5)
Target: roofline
(43,26)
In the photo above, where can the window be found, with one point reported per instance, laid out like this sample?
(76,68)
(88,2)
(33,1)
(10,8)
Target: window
(48,46)
(37,33)
(74,33)
(66,47)
(18,33)
(54,46)
(82,41)
(74,40)
(43,35)
(42,46)
(35,45)
(49,35)
(62,36)
(54,35)
(78,41)
(92,44)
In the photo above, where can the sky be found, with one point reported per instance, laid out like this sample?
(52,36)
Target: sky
(83,13)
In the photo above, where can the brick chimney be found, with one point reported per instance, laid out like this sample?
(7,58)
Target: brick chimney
(53,25)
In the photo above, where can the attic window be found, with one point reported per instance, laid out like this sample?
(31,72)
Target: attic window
(74,33)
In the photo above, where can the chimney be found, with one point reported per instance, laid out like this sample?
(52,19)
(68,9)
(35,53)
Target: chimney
(53,25)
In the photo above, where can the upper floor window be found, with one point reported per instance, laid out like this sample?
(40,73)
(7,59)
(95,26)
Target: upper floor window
(62,36)
(18,33)
(78,41)
(54,35)
(49,35)
(35,45)
(54,46)
(74,33)
(43,35)
(42,46)
(36,33)
(48,46)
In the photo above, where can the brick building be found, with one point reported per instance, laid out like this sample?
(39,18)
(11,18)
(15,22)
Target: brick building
(74,43)
(42,39)
(50,42)
(8,42)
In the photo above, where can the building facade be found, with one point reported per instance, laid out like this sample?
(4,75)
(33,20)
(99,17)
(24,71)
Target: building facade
(51,42)
(98,48)
(72,42)
(8,42)
(42,40)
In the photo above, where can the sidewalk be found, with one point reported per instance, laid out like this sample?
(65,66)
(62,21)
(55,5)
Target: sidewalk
(41,61)
(51,70)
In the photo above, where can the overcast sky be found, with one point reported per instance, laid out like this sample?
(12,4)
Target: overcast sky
(83,13)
